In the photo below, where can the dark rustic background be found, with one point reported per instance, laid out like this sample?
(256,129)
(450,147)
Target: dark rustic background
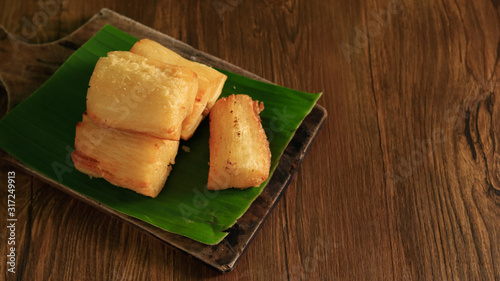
(403,183)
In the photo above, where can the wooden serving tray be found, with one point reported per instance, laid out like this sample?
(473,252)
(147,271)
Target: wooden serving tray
(25,67)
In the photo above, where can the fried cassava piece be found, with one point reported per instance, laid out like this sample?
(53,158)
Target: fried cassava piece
(130,92)
(210,81)
(135,109)
(239,151)
(132,160)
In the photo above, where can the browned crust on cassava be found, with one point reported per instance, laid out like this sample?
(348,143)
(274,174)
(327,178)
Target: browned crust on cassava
(239,150)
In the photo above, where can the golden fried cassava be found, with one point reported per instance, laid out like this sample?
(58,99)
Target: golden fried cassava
(239,151)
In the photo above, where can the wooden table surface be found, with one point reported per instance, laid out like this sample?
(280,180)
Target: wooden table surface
(403,183)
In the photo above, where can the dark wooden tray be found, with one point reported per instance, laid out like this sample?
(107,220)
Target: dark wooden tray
(24,67)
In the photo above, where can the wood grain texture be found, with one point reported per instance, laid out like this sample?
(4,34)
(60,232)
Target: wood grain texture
(403,183)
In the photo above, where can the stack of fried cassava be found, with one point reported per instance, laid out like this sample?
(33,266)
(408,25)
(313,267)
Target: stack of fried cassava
(141,103)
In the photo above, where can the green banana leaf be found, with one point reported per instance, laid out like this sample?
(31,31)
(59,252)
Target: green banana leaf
(40,133)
